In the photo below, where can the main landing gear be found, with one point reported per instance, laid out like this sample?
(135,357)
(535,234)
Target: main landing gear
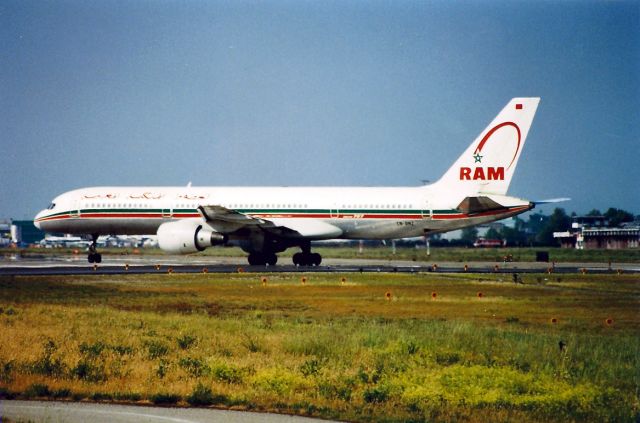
(306,257)
(260,259)
(303,258)
(94,255)
(311,259)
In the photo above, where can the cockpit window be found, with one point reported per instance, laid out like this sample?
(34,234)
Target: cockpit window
(51,206)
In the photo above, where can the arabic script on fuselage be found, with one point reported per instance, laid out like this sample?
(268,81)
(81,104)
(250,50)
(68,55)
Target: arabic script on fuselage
(192,196)
(147,196)
(94,196)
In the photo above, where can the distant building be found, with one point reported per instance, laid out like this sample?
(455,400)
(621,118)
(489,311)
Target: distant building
(610,238)
(592,232)
(5,233)
(19,232)
(26,232)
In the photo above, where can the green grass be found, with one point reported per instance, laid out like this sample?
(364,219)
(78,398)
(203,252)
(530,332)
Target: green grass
(328,349)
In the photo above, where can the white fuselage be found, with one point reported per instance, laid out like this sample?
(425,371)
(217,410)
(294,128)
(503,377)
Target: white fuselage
(360,213)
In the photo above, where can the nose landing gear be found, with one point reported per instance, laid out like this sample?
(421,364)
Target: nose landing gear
(94,256)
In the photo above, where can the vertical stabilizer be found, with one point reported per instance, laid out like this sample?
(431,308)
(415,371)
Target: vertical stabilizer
(488,164)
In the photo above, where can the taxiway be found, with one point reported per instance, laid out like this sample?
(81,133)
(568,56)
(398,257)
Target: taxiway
(69,264)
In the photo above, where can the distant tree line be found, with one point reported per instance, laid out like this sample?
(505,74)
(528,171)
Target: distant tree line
(537,230)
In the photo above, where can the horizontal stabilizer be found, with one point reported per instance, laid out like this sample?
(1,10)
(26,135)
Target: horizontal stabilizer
(472,205)
(551,200)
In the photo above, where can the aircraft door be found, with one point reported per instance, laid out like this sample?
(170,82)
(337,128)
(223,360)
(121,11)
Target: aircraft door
(334,213)
(166,213)
(75,211)
(427,211)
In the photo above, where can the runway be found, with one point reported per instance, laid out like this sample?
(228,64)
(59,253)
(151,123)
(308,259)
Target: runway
(69,264)
(74,412)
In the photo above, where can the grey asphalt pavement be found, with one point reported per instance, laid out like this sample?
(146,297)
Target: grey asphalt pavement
(75,412)
(67,264)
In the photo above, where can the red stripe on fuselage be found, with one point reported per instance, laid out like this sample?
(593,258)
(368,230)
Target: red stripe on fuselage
(119,215)
(62,216)
(143,215)
(338,216)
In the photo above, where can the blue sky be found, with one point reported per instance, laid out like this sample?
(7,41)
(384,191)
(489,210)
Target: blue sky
(314,93)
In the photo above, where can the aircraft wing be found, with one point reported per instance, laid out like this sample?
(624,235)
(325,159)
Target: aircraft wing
(307,228)
(226,220)
(213,214)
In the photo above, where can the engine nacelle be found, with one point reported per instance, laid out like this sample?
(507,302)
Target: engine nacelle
(187,236)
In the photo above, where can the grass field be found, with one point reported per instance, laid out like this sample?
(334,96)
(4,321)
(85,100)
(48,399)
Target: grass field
(374,347)
(461,255)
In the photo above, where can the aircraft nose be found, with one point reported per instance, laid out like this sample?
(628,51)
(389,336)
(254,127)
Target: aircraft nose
(36,219)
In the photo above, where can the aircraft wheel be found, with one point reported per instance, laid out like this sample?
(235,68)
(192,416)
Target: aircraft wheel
(271,259)
(256,259)
(91,258)
(315,259)
(98,258)
(298,259)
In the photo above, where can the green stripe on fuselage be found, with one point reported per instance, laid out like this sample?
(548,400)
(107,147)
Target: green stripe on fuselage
(259,211)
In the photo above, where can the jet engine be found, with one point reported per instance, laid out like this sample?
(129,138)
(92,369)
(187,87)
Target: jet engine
(188,236)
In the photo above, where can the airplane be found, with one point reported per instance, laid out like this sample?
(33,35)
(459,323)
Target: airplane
(265,221)
(63,241)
